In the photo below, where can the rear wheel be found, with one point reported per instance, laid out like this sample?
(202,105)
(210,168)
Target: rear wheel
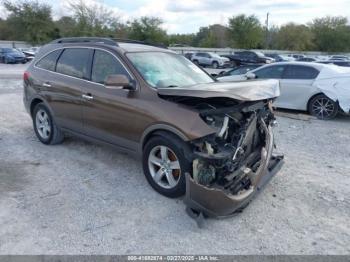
(323,107)
(165,165)
(44,126)
(196,62)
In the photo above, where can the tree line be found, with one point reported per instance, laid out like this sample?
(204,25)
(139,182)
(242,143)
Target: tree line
(33,22)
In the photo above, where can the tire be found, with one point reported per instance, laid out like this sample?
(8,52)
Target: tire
(152,154)
(215,64)
(5,60)
(44,126)
(196,62)
(323,107)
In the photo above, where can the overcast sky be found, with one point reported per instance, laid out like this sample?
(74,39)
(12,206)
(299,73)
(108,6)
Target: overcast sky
(186,16)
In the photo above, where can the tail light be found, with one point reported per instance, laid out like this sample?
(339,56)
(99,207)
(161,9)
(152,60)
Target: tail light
(26,76)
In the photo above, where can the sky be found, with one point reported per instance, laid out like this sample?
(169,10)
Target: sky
(187,16)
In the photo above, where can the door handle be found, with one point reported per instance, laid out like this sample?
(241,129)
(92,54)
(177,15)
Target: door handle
(87,96)
(47,84)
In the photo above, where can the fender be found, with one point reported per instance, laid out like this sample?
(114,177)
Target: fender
(159,127)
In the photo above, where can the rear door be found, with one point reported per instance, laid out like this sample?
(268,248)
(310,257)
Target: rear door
(109,114)
(296,86)
(63,88)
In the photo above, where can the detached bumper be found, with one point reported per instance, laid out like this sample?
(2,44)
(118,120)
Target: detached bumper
(216,202)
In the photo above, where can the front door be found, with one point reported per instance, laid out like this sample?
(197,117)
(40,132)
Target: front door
(110,114)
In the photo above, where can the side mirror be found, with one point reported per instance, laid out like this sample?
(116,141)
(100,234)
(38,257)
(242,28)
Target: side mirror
(250,75)
(119,82)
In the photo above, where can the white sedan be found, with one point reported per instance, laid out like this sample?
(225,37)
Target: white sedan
(323,90)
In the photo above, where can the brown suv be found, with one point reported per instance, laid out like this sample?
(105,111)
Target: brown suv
(212,141)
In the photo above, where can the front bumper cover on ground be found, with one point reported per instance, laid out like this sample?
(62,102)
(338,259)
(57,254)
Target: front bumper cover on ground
(214,202)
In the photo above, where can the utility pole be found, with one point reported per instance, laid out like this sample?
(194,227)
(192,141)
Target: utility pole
(267,31)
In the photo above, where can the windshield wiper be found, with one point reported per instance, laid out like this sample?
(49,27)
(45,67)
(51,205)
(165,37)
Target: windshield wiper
(172,86)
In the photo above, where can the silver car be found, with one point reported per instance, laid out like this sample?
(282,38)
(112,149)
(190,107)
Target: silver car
(210,59)
(311,87)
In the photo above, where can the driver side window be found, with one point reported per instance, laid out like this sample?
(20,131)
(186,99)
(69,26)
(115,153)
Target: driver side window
(104,64)
(271,72)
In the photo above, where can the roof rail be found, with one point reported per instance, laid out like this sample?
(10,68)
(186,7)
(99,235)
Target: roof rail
(121,40)
(103,40)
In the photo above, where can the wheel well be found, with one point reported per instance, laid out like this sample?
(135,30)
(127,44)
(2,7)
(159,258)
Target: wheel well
(308,102)
(33,104)
(169,135)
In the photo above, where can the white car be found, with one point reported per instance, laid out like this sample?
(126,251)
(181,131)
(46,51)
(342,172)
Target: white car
(322,90)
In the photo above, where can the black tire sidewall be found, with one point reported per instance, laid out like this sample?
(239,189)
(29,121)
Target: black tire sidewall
(35,111)
(177,147)
(335,104)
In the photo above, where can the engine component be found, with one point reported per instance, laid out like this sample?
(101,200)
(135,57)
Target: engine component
(203,173)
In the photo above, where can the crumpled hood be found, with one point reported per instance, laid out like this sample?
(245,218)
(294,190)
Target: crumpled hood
(244,91)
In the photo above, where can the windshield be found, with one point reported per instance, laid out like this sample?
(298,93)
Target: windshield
(167,70)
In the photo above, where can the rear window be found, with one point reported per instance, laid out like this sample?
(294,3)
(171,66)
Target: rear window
(49,61)
(300,72)
(75,62)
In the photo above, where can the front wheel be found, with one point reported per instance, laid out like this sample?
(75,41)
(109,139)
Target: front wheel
(215,64)
(323,107)
(165,165)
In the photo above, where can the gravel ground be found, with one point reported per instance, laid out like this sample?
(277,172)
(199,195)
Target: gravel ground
(82,198)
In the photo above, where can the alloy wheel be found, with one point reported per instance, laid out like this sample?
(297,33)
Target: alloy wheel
(42,122)
(164,166)
(323,108)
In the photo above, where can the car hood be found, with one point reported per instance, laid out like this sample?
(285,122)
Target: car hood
(253,90)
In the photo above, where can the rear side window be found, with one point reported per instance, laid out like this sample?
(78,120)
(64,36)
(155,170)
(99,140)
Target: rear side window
(49,61)
(274,72)
(104,64)
(75,62)
(300,72)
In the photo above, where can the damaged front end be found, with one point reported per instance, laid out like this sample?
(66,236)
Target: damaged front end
(231,166)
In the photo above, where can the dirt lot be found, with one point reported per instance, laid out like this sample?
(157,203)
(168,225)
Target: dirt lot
(83,198)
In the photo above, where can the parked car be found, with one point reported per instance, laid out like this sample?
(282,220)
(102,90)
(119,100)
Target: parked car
(320,89)
(243,57)
(210,59)
(12,55)
(339,57)
(188,55)
(306,59)
(28,52)
(345,63)
(277,57)
(211,141)
(239,70)
(296,56)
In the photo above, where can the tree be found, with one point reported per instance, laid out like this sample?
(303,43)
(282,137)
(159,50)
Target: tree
(147,29)
(94,20)
(331,34)
(246,31)
(212,36)
(294,37)
(30,21)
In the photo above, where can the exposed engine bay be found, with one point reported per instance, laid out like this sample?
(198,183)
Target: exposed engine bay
(224,159)
(229,166)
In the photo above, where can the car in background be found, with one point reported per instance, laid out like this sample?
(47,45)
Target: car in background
(239,70)
(28,52)
(210,59)
(296,56)
(254,57)
(320,89)
(306,59)
(280,57)
(12,56)
(339,57)
(188,55)
(345,63)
